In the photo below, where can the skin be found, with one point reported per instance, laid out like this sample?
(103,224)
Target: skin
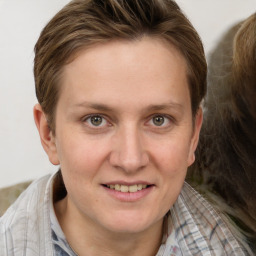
(139,90)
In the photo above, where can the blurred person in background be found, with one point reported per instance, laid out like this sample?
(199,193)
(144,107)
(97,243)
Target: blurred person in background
(225,167)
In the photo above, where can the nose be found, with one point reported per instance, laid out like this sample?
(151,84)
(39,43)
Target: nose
(128,152)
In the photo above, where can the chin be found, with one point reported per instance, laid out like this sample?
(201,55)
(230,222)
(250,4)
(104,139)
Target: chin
(127,223)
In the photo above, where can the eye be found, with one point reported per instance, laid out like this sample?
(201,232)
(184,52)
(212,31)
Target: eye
(160,121)
(96,121)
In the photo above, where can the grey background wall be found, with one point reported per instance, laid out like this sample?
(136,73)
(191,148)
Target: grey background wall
(21,155)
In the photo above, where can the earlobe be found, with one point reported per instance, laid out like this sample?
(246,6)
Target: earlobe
(195,138)
(46,136)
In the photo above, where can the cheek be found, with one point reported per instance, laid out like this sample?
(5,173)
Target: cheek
(80,156)
(172,157)
(173,167)
(79,165)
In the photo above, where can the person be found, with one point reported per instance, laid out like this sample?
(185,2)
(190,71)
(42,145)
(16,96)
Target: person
(119,85)
(226,159)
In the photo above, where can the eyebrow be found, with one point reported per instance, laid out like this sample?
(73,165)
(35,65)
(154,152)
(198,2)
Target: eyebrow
(97,106)
(153,107)
(170,105)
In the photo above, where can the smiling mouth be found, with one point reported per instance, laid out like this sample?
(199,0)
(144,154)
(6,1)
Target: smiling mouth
(126,189)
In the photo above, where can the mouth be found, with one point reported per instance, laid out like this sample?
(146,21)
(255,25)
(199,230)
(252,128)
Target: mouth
(128,192)
(127,188)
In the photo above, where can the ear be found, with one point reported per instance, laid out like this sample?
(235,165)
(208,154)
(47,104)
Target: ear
(195,137)
(46,136)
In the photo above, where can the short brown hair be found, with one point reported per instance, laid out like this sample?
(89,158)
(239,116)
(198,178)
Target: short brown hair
(82,23)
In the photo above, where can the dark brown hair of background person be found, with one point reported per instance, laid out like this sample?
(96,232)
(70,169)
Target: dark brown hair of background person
(225,166)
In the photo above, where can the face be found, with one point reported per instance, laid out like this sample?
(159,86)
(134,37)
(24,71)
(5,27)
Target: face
(124,133)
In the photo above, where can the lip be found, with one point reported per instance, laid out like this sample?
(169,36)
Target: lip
(121,182)
(128,196)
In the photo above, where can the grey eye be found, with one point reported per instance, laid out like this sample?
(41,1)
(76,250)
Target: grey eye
(96,120)
(158,120)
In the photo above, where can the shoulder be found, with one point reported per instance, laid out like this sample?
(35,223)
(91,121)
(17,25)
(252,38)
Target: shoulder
(22,223)
(9,194)
(27,197)
(200,227)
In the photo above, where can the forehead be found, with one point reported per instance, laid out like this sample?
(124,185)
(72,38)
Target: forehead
(144,47)
(147,67)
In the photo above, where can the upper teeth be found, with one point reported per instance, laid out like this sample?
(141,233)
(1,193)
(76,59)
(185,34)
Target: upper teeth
(124,188)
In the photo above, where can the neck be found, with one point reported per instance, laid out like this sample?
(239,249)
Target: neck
(88,238)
